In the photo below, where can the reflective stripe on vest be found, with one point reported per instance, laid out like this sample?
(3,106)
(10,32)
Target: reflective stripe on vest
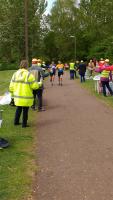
(22,97)
(105,74)
(23,82)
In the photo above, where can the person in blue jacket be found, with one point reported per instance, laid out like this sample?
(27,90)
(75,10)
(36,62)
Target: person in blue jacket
(82,70)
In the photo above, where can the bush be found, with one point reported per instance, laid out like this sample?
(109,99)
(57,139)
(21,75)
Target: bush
(8,66)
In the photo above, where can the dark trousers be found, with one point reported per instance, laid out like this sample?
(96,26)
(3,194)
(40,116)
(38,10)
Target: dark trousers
(72,74)
(38,94)
(75,74)
(105,84)
(82,77)
(19,110)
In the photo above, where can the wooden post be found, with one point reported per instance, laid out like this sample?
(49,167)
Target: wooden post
(26,29)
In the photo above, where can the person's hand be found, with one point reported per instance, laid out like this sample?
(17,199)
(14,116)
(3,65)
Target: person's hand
(40,84)
(41,79)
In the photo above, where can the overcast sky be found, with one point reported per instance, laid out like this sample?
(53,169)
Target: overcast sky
(50,3)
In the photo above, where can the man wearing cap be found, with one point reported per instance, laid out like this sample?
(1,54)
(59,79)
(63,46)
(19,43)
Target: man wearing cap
(38,73)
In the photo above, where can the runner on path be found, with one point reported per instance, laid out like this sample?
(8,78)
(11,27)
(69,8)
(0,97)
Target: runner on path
(60,68)
(75,146)
(52,71)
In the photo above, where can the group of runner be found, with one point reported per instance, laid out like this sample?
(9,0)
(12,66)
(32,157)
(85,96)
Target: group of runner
(60,67)
(52,70)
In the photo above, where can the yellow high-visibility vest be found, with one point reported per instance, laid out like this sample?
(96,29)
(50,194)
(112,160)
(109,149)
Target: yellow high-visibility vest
(22,85)
(72,66)
(105,74)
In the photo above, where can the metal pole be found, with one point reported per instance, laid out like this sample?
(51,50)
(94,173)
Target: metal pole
(26,29)
(75,48)
(73,36)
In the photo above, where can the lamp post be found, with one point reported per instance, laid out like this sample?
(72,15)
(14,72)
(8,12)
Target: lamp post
(73,36)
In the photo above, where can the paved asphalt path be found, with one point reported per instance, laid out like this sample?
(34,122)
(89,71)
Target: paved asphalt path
(75,145)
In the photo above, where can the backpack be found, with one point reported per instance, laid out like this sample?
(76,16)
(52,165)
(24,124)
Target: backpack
(3,143)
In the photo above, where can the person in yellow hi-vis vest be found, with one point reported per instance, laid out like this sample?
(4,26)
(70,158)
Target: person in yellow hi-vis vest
(72,70)
(106,76)
(21,86)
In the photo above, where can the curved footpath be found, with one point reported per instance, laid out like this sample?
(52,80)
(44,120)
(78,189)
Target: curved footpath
(75,145)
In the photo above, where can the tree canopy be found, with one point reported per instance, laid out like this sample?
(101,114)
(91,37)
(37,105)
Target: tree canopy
(84,30)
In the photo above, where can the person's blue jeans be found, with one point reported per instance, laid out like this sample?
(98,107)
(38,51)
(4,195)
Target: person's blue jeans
(105,84)
(38,94)
(72,74)
(82,77)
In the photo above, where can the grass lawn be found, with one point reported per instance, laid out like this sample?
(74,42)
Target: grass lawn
(17,161)
(89,85)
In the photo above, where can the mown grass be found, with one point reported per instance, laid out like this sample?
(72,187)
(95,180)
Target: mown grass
(89,85)
(17,161)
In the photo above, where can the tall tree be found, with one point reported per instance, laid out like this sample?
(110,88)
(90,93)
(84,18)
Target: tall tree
(62,13)
(12,32)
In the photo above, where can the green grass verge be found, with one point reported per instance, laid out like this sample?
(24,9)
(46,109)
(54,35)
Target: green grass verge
(17,161)
(89,85)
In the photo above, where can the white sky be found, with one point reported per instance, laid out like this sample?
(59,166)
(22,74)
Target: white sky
(50,2)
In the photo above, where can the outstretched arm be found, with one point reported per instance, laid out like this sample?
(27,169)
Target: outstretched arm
(110,68)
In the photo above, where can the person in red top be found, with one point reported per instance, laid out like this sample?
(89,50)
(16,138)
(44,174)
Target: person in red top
(106,76)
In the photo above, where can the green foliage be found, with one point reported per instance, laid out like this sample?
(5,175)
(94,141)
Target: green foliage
(91,23)
(16,162)
(49,36)
(8,66)
(97,27)
(12,28)
(63,12)
(102,49)
(50,48)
